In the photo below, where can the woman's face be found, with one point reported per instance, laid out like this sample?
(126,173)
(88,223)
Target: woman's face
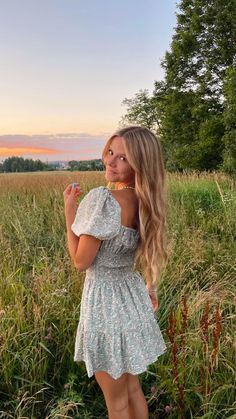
(117,166)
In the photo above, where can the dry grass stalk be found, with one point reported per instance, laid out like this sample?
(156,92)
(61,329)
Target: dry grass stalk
(204,369)
(204,324)
(216,339)
(184,326)
(210,361)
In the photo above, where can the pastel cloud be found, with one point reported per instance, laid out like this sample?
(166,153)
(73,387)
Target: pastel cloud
(67,146)
(19,151)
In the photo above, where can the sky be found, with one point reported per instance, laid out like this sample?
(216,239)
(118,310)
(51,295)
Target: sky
(66,67)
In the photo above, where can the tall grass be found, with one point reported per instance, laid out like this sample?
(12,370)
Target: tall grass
(40,293)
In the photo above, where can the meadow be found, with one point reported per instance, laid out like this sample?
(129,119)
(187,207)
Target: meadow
(40,293)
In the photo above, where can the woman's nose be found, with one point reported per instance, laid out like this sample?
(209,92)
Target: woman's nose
(111,161)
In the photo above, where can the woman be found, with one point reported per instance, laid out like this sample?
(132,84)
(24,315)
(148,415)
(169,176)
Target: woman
(108,235)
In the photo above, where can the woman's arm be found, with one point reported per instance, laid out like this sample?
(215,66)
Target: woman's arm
(83,249)
(152,291)
(72,239)
(71,193)
(153,296)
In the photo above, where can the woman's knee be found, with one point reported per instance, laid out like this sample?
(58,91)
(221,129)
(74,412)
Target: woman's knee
(115,391)
(133,385)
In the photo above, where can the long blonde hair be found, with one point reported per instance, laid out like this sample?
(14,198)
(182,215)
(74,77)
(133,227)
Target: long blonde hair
(144,154)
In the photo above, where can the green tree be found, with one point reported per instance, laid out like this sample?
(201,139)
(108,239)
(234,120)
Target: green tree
(73,165)
(39,165)
(18,164)
(201,51)
(142,110)
(191,104)
(229,116)
(202,48)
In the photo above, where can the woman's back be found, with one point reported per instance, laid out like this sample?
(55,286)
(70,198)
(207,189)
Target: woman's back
(128,202)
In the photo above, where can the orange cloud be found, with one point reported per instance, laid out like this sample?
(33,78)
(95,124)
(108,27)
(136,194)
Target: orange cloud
(13,151)
(87,150)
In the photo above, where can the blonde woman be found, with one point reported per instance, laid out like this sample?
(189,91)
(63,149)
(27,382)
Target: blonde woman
(113,231)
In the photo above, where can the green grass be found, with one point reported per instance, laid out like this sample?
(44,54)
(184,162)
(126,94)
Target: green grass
(40,294)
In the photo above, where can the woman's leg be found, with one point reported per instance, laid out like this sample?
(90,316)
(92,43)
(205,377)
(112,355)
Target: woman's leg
(124,397)
(115,393)
(138,407)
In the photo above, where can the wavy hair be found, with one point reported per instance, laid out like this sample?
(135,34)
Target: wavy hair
(144,154)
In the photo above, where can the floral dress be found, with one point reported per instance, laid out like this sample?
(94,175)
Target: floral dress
(117,330)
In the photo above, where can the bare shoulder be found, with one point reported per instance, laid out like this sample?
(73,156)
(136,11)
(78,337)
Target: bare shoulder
(125,196)
(128,201)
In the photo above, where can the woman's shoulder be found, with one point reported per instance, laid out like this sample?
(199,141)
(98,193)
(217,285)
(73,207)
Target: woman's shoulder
(95,193)
(100,197)
(97,215)
(129,205)
(99,190)
(126,198)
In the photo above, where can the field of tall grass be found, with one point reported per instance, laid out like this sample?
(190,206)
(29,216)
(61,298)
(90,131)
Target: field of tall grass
(40,293)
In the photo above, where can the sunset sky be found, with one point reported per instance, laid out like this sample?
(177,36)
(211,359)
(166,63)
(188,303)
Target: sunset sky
(66,67)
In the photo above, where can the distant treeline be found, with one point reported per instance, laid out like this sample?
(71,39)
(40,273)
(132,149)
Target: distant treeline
(19,164)
(84,165)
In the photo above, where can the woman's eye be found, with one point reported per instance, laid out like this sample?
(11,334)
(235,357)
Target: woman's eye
(121,157)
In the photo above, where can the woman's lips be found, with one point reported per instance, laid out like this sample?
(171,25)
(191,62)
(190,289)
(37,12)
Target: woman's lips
(110,172)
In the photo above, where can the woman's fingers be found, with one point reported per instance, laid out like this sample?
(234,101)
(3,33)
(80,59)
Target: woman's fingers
(67,190)
(154,302)
(71,194)
(73,187)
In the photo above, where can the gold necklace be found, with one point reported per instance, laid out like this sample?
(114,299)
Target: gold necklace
(126,187)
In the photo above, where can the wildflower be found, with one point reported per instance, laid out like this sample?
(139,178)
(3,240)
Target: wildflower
(168,409)
(153,389)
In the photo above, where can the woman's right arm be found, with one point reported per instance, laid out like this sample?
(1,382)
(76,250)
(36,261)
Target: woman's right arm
(154,300)
(152,291)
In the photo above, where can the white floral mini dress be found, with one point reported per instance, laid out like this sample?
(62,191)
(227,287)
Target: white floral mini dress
(117,330)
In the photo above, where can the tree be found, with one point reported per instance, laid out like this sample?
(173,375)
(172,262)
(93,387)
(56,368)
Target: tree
(18,164)
(201,51)
(142,110)
(202,48)
(229,116)
(190,103)
(73,165)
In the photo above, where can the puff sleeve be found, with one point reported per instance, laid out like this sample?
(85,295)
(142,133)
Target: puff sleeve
(98,215)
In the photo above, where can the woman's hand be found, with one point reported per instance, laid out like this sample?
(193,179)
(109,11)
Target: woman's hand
(154,301)
(153,296)
(70,194)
